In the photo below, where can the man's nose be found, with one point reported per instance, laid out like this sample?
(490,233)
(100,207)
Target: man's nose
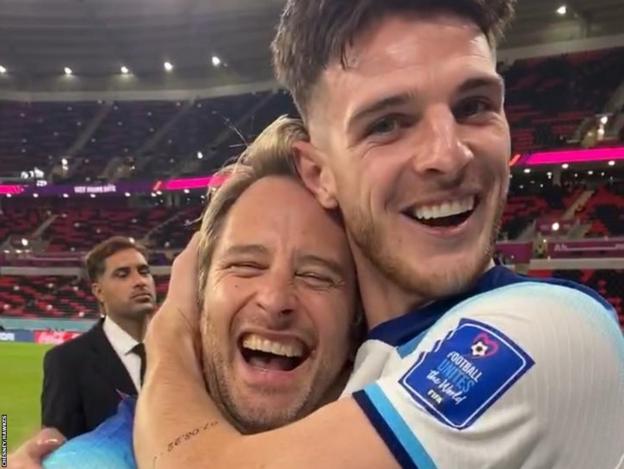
(275,293)
(139,280)
(439,152)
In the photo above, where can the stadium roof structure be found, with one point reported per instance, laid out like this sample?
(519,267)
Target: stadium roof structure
(537,21)
(96,38)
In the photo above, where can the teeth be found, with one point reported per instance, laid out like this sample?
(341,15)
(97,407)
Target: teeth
(445,209)
(290,349)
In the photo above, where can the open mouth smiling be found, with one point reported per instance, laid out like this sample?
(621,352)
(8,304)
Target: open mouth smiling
(447,214)
(284,354)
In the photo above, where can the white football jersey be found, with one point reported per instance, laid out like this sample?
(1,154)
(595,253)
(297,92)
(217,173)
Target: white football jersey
(516,373)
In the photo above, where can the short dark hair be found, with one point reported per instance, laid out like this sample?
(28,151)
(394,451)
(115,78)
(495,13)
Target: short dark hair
(311,34)
(95,261)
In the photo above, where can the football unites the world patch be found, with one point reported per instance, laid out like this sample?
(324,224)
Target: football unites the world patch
(465,373)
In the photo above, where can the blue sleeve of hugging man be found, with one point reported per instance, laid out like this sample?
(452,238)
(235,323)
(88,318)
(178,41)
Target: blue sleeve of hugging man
(109,446)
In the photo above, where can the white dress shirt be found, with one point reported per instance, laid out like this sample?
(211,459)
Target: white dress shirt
(123,343)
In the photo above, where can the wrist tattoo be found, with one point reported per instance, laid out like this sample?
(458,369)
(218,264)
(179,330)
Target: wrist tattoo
(187,436)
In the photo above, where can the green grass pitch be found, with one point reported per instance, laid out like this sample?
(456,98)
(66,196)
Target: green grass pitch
(21,375)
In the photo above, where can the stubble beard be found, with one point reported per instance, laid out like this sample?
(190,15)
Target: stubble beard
(425,282)
(246,417)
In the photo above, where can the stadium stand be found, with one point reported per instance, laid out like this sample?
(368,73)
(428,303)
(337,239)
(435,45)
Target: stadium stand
(547,100)
(548,97)
(46,296)
(605,211)
(166,231)
(19,218)
(67,297)
(177,231)
(35,134)
(121,133)
(79,229)
(523,207)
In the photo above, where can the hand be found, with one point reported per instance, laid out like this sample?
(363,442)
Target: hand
(182,293)
(177,319)
(31,454)
(172,343)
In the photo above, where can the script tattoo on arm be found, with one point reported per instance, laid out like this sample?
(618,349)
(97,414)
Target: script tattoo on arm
(174,444)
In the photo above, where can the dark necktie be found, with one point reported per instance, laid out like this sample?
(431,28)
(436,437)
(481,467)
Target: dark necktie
(139,349)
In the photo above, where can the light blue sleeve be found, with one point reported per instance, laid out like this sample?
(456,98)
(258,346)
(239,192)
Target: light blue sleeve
(109,446)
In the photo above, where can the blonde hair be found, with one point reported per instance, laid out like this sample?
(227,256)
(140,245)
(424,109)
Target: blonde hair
(271,154)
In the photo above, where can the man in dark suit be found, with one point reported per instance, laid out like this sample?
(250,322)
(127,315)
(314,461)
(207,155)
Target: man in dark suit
(85,377)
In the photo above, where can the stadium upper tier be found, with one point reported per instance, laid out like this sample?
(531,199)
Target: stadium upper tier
(548,101)
(548,98)
(84,142)
(37,134)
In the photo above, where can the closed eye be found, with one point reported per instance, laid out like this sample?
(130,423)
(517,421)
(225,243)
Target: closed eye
(316,280)
(121,273)
(246,269)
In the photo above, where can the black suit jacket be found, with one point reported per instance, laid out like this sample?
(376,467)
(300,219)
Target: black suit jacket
(82,379)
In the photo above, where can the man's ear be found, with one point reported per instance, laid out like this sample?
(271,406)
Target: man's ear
(96,289)
(315,174)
